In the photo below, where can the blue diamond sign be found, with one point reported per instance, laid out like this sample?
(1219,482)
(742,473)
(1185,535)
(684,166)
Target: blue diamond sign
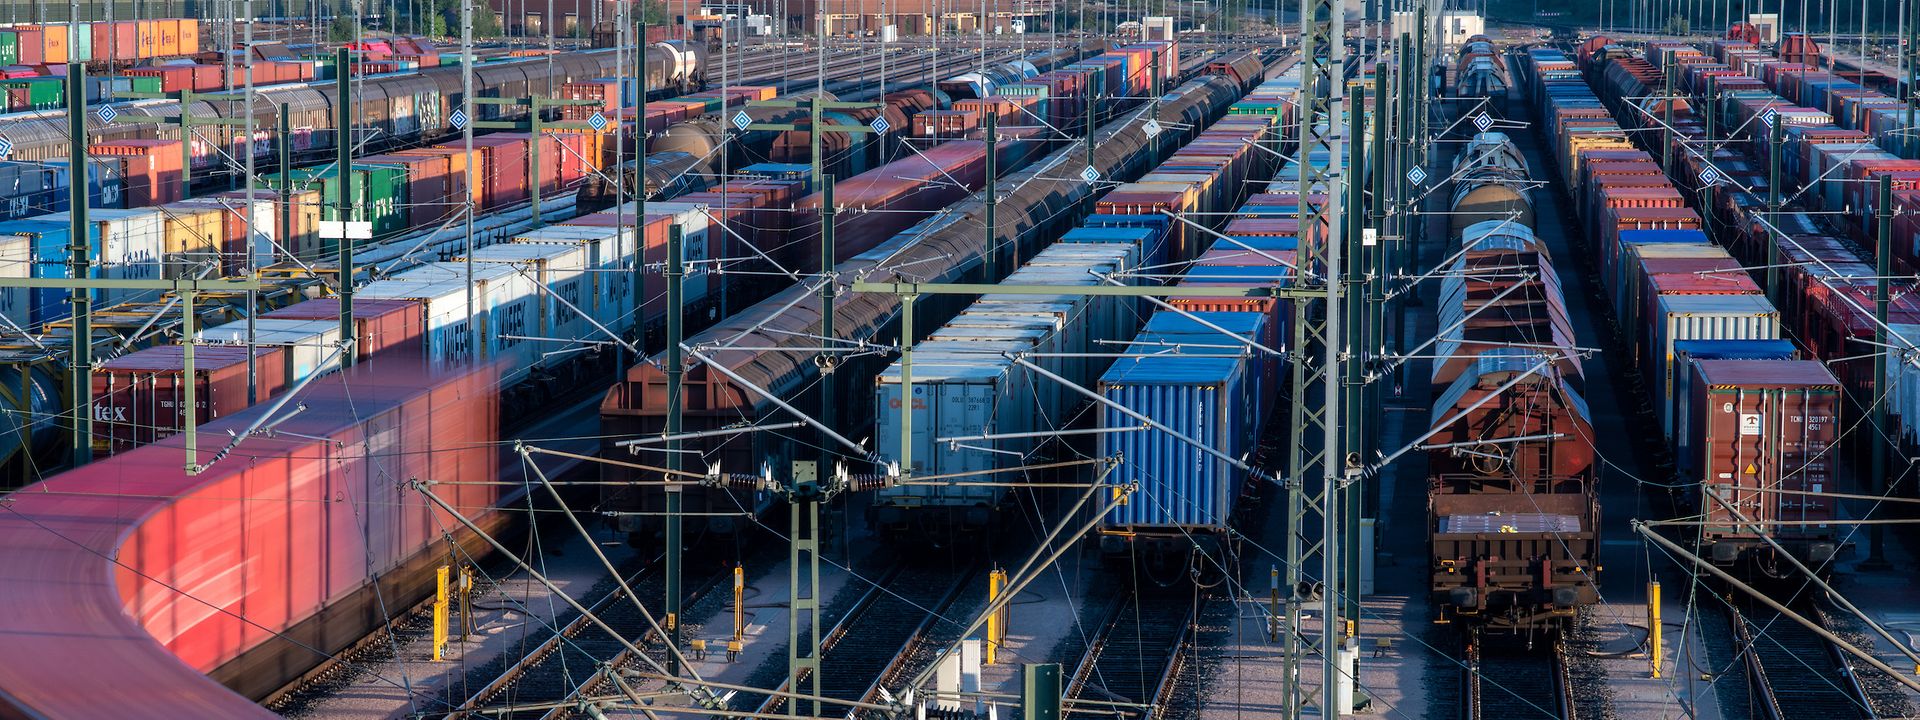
(1089,174)
(6,146)
(740,120)
(880,125)
(107,114)
(1416,175)
(1483,122)
(1771,117)
(598,122)
(1710,176)
(458,119)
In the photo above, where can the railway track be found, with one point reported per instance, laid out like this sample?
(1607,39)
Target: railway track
(892,618)
(575,659)
(1136,657)
(1793,673)
(1502,679)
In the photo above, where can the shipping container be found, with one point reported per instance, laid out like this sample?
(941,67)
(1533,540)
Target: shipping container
(382,328)
(137,397)
(309,348)
(1204,398)
(1703,317)
(1762,425)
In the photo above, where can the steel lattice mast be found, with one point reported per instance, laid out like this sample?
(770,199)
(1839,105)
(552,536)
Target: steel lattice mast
(1316,343)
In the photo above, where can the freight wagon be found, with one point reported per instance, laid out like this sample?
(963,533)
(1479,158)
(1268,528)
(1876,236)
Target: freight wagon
(1743,417)
(1213,388)
(134,567)
(532,298)
(772,344)
(397,111)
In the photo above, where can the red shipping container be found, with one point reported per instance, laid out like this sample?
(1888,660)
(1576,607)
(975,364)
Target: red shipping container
(209,78)
(505,171)
(119,559)
(32,41)
(137,397)
(160,162)
(461,168)
(429,186)
(1763,424)
(173,78)
(381,328)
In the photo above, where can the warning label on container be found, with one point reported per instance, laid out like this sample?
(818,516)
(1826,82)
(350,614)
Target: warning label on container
(1749,423)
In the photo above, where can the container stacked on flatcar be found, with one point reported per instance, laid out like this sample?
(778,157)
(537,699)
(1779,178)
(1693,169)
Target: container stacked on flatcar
(1840,138)
(530,297)
(768,351)
(1740,423)
(966,382)
(1205,369)
(135,567)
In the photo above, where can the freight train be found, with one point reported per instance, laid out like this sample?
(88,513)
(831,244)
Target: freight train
(769,347)
(993,410)
(405,190)
(687,126)
(132,567)
(1513,518)
(1478,71)
(392,111)
(1753,423)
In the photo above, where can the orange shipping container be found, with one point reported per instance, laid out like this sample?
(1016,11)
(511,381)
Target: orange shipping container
(149,39)
(54,44)
(189,33)
(169,45)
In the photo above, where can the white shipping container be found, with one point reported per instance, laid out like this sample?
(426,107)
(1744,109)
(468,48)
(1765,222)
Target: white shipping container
(608,250)
(16,261)
(561,294)
(312,345)
(503,307)
(697,243)
(133,246)
(1707,317)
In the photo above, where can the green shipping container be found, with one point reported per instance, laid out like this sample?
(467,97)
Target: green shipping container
(9,47)
(1247,107)
(81,51)
(44,93)
(145,84)
(379,196)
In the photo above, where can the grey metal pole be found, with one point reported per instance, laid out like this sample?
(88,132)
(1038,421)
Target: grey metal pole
(343,137)
(466,139)
(253,233)
(676,380)
(990,252)
(80,370)
(1353,376)
(1883,268)
(284,145)
(1773,209)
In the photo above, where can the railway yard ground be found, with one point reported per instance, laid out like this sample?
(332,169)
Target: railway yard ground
(1027,348)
